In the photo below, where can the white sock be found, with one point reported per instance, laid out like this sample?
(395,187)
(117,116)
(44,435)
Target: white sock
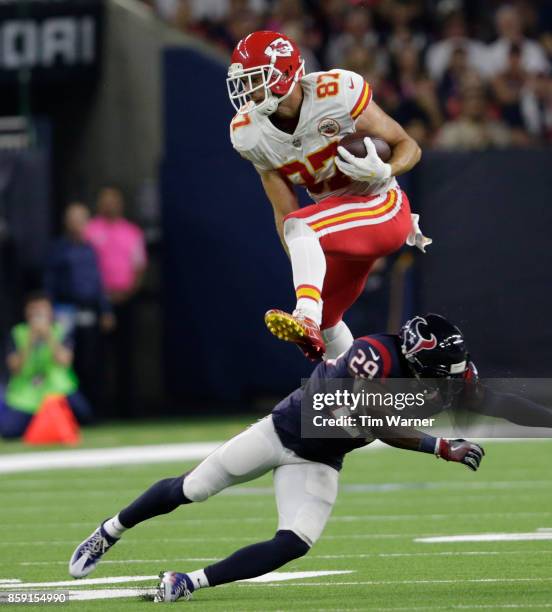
(338,339)
(308,264)
(199,579)
(114,527)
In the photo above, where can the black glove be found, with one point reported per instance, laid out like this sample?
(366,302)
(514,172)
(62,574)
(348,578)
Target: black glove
(462,451)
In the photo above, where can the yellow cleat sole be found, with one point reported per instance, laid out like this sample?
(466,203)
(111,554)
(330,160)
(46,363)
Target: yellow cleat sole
(284,327)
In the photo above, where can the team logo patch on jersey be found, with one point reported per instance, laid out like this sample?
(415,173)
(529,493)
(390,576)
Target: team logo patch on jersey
(414,341)
(279,48)
(329,127)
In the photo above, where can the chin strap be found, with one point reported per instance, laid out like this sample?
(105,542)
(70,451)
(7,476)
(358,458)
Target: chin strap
(270,105)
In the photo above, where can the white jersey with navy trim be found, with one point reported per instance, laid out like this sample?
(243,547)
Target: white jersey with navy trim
(332,101)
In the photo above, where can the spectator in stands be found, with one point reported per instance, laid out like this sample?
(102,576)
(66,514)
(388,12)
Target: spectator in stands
(284,12)
(240,22)
(416,104)
(473,129)
(536,107)
(508,86)
(451,83)
(401,15)
(39,360)
(358,31)
(73,282)
(296,31)
(509,27)
(121,251)
(360,60)
(216,11)
(453,37)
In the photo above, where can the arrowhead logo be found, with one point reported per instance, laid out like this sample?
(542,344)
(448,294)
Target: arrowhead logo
(279,48)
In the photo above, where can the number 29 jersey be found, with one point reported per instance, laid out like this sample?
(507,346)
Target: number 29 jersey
(332,101)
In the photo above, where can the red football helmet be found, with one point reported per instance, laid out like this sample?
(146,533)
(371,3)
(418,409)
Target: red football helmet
(263,60)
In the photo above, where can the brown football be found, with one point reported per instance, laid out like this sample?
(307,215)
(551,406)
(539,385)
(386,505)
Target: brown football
(354,143)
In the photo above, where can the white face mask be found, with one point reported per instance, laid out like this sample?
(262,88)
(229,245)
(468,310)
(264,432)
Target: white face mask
(240,84)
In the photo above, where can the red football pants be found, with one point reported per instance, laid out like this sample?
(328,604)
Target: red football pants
(354,231)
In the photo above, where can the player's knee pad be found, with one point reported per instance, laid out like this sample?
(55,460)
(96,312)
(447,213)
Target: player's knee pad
(338,339)
(331,333)
(290,545)
(297,228)
(195,488)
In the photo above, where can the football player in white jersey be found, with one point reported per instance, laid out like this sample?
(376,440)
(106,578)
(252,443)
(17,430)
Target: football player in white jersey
(288,125)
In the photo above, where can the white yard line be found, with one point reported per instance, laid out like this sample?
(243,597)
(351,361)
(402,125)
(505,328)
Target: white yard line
(272,577)
(147,454)
(109,594)
(488,537)
(275,579)
(285,576)
(102,457)
(83,582)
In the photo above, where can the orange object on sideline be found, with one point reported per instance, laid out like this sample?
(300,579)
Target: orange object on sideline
(54,423)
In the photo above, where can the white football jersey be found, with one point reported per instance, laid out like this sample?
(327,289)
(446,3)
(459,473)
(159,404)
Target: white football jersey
(332,102)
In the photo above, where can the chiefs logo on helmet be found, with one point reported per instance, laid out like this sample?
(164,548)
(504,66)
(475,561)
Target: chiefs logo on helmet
(414,341)
(279,48)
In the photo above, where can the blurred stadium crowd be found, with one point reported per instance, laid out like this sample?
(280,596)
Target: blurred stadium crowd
(458,74)
(74,337)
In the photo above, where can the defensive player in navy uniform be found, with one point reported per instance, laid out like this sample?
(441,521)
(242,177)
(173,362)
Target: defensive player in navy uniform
(305,470)
(431,347)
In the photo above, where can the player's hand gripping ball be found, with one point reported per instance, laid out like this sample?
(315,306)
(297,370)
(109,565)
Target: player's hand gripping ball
(363,158)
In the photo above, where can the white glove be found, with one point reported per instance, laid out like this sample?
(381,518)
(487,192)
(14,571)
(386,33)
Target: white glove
(416,238)
(369,169)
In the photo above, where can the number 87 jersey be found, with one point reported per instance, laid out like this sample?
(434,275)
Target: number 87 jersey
(332,101)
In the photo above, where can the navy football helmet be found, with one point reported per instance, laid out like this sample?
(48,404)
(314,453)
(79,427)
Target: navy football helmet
(434,347)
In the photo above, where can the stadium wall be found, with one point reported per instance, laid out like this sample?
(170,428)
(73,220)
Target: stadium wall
(122,137)
(490,267)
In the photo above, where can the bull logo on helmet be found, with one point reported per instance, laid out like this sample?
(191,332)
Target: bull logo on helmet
(279,48)
(414,341)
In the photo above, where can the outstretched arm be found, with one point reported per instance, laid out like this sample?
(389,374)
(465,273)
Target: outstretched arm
(511,407)
(408,438)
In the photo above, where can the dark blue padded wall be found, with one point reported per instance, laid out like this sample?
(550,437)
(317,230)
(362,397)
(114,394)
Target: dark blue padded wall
(490,267)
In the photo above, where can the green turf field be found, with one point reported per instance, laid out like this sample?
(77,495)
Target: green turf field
(388,499)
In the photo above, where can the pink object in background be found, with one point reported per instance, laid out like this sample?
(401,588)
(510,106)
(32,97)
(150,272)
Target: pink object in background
(121,251)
